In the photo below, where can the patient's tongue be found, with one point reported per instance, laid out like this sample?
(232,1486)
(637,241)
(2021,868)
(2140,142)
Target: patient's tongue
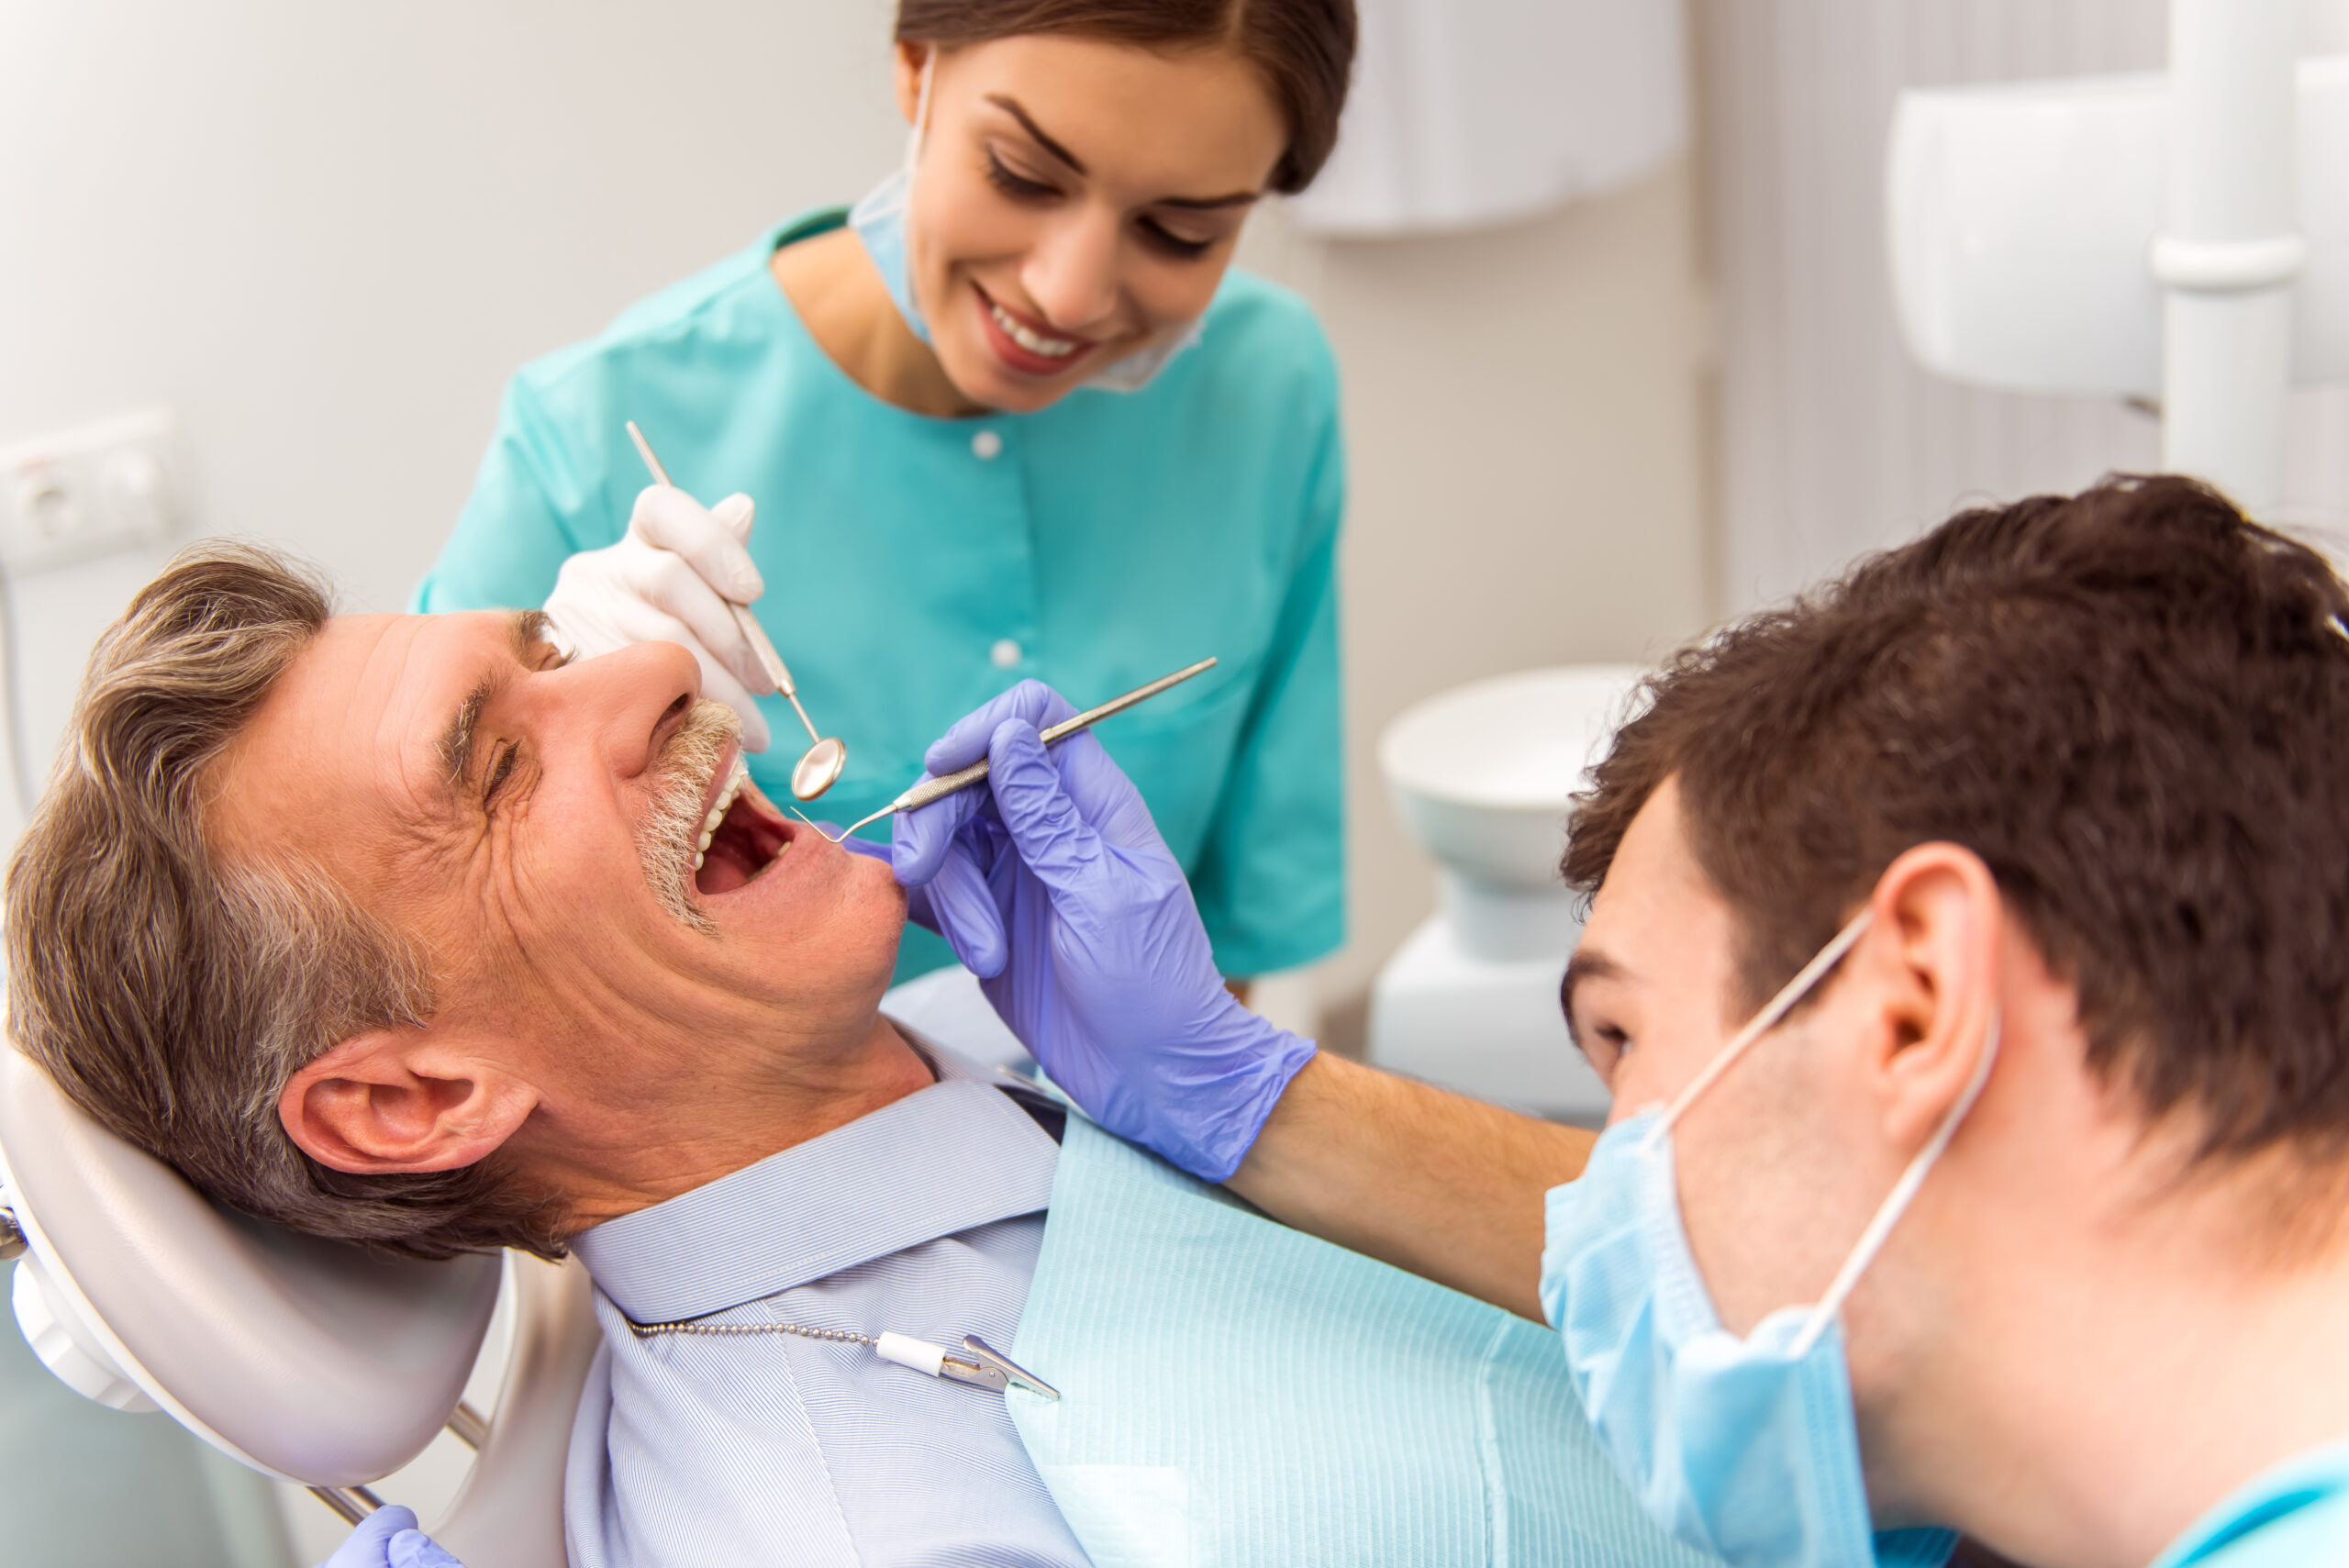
(723,869)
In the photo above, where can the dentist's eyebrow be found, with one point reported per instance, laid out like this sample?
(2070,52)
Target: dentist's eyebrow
(525,631)
(1195,204)
(1585,965)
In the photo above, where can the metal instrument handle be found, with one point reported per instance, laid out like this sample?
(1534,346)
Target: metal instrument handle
(964,778)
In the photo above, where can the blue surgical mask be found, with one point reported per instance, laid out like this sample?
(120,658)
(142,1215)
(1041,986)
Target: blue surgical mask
(879,221)
(1746,1448)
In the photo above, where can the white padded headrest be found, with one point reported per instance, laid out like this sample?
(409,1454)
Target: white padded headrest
(320,1362)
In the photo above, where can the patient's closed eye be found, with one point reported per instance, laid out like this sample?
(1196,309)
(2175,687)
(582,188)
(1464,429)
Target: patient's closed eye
(501,768)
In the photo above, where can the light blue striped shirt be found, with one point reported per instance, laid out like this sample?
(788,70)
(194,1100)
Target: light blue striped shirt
(923,1218)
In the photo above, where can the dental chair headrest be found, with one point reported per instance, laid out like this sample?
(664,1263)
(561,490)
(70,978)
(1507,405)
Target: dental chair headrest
(316,1361)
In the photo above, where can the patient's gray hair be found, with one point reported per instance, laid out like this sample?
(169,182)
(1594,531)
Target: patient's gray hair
(172,991)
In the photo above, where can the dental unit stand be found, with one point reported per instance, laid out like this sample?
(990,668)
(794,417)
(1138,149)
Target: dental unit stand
(2177,239)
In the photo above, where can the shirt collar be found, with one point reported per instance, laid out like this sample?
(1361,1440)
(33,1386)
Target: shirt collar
(947,1158)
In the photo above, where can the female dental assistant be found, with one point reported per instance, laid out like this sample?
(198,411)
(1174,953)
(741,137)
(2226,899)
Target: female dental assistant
(1013,416)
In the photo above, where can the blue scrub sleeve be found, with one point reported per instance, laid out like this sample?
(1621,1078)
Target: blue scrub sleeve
(536,501)
(1271,880)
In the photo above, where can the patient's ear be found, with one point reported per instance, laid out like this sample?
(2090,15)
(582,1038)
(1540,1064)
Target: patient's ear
(395,1100)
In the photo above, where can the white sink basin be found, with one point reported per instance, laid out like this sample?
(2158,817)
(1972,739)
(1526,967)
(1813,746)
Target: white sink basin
(1480,773)
(1481,776)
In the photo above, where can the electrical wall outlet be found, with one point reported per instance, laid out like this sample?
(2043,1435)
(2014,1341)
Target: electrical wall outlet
(89,492)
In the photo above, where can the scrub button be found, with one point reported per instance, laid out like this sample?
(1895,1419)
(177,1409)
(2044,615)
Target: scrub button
(1005,653)
(986,446)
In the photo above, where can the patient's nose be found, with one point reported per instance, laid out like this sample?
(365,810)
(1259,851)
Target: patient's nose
(630,701)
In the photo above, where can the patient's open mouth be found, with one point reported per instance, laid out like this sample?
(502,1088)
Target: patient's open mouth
(741,835)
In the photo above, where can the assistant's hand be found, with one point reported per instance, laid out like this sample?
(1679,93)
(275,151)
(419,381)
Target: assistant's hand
(388,1538)
(670,579)
(1055,888)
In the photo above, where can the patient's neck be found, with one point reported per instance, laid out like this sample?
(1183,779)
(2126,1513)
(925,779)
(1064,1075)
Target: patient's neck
(611,1148)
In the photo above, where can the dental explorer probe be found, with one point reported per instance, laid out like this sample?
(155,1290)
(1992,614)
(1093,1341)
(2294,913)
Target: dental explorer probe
(819,768)
(964,778)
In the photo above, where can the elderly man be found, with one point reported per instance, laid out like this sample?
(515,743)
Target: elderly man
(401,928)
(1966,962)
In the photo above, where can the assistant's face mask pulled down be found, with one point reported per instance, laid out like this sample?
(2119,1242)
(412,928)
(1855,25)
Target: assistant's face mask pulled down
(880,221)
(1746,1448)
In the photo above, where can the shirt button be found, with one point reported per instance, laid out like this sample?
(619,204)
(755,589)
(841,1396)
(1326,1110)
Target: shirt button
(986,446)
(1005,653)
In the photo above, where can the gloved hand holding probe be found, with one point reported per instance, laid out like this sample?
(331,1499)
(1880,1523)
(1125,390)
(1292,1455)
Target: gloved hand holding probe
(1055,888)
(670,579)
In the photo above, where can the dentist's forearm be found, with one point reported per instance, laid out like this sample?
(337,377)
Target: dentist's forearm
(1447,1188)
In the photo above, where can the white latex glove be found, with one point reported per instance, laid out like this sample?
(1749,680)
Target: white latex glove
(669,580)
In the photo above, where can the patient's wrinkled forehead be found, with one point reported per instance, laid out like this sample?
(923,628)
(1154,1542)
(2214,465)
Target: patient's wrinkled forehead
(347,759)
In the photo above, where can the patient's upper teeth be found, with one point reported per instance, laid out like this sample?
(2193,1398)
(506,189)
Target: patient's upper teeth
(705,836)
(698,859)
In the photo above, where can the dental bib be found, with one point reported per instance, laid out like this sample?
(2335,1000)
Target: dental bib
(1236,1393)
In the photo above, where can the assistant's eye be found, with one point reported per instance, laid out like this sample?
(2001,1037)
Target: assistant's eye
(1018,187)
(1174,244)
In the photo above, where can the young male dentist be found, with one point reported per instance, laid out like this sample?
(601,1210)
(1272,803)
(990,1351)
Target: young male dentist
(1965,962)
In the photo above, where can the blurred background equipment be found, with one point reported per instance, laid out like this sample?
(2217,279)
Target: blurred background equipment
(1470,1000)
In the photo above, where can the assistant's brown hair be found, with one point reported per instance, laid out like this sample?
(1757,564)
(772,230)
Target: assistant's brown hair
(2133,704)
(170,990)
(1304,50)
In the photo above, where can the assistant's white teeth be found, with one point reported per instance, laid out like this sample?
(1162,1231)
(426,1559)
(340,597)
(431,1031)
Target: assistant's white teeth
(1051,348)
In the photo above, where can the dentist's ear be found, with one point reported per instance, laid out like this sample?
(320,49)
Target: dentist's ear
(1939,921)
(399,1100)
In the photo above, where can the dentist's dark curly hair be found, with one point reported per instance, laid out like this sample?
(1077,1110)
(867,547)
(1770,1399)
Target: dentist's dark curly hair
(2132,703)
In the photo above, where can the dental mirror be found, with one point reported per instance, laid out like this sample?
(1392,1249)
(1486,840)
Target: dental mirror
(821,765)
(819,769)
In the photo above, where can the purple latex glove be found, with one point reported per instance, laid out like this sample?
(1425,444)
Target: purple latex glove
(1056,890)
(388,1538)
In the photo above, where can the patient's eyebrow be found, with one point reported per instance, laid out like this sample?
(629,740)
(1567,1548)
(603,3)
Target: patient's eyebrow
(1585,964)
(525,631)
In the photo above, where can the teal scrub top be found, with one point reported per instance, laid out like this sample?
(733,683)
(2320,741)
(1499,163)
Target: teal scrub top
(916,567)
(2295,1513)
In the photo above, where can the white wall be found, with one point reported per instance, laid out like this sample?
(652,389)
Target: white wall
(1526,419)
(326,234)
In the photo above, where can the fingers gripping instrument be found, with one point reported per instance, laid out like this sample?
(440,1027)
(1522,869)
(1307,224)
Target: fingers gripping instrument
(819,768)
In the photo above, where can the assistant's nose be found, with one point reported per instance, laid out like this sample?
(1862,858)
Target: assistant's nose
(1072,274)
(626,703)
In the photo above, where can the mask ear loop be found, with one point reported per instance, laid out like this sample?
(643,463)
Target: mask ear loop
(1776,1008)
(1896,1202)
